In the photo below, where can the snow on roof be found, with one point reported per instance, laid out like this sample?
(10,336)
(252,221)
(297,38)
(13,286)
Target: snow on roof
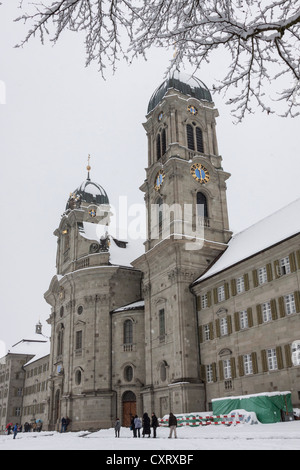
(41,350)
(273,229)
(37,345)
(242,397)
(121,254)
(140,304)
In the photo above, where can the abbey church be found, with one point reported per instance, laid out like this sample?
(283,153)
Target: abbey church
(192,314)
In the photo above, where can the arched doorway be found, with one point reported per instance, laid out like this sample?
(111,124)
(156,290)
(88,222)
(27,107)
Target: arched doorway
(128,407)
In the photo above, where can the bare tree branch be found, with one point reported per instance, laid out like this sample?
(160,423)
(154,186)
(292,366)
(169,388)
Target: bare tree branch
(261,38)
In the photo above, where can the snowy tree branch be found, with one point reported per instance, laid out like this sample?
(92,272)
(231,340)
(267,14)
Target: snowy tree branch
(260,38)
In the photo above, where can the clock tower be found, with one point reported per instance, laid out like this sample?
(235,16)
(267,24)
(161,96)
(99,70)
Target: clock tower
(187,228)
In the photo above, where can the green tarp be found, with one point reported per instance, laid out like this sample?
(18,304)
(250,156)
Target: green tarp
(267,406)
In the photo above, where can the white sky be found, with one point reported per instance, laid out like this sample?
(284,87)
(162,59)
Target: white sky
(57,112)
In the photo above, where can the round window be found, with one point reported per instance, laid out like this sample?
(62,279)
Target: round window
(80,310)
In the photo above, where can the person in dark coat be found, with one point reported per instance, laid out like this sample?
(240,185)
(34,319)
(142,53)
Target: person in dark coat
(132,426)
(146,425)
(15,430)
(117,427)
(154,424)
(172,425)
(63,425)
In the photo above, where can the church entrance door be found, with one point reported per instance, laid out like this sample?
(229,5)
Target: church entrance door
(129,408)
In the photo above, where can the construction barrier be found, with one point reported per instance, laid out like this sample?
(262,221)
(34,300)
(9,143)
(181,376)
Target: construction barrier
(198,420)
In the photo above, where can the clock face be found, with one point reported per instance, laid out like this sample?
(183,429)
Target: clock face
(200,173)
(192,110)
(159,179)
(92,213)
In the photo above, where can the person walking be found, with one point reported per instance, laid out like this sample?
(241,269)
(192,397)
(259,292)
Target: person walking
(146,425)
(137,425)
(172,425)
(117,427)
(132,426)
(154,424)
(15,430)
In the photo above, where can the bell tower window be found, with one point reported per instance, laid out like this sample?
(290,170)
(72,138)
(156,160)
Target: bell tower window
(202,209)
(194,137)
(161,143)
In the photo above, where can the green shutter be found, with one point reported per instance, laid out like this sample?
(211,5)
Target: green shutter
(269,272)
(215,291)
(233,368)
(241,366)
(281,307)
(250,317)
(259,314)
(264,360)
(279,357)
(214,371)
(229,324)
(209,298)
(226,289)
(298,258)
(288,355)
(218,331)
(233,287)
(276,269)
(274,309)
(211,330)
(255,277)
(198,303)
(254,363)
(246,281)
(221,370)
(203,372)
(200,334)
(297,300)
(292,259)
(237,321)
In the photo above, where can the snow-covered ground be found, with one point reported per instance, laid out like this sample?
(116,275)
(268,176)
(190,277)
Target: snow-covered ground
(278,436)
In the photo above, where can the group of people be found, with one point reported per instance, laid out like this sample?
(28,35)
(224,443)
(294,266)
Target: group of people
(146,424)
(28,427)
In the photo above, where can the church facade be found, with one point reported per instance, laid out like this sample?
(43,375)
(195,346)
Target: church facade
(198,314)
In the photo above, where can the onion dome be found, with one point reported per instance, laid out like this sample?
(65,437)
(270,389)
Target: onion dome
(185,84)
(88,192)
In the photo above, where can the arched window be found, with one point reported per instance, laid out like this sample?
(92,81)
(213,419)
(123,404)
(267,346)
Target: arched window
(128,373)
(161,143)
(194,135)
(202,210)
(78,377)
(60,340)
(128,332)
(158,147)
(199,140)
(190,137)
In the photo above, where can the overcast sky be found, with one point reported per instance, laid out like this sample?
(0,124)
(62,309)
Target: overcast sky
(57,111)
